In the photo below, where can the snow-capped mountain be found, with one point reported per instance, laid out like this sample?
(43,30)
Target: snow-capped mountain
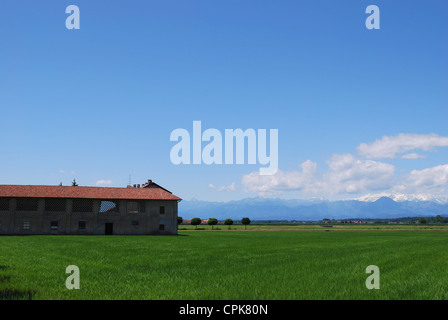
(399,197)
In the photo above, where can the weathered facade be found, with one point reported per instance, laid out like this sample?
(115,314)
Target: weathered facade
(146,209)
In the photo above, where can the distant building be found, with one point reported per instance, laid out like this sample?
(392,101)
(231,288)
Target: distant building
(354,221)
(31,209)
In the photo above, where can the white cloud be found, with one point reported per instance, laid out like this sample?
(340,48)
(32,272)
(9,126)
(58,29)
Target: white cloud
(61,171)
(429,178)
(347,175)
(211,186)
(104,182)
(350,174)
(280,181)
(413,156)
(389,147)
(230,187)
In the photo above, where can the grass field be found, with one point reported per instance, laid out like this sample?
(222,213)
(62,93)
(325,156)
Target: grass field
(235,264)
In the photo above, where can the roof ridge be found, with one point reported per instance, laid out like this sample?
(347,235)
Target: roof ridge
(90,192)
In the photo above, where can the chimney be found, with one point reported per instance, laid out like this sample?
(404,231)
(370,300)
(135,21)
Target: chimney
(135,186)
(138,186)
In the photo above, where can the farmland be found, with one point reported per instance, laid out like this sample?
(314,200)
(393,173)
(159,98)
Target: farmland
(231,264)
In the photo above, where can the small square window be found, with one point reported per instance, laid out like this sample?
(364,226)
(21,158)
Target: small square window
(162,209)
(161,227)
(54,225)
(81,225)
(26,225)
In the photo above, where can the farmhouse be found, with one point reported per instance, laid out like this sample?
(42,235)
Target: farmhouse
(138,209)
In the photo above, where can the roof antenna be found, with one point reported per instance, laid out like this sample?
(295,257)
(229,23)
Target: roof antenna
(130,181)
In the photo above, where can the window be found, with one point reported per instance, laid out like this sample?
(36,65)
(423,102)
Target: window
(136,207)
(54,204)
(135,223)
(81,225)
(4,204)
(161,227)
(27,204)
(54,225)
(26,225)
(109,207)
(162,209)
(82,205)
(133,207)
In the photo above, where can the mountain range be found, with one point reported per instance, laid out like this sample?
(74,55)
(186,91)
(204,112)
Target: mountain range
(312,210)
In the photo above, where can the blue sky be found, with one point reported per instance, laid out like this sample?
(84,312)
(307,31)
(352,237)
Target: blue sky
(98,104)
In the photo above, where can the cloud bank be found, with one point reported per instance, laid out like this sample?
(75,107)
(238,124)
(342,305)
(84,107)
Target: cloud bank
(390,147)
(356,174)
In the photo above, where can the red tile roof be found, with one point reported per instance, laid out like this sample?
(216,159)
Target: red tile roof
(104,193)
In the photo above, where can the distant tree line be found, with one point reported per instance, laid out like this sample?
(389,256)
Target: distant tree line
(213,222)
(433,220)
(438,219)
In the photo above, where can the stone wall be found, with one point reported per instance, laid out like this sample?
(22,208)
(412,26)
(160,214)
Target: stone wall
(147,217)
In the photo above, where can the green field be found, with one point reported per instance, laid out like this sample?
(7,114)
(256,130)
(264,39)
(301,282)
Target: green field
(260,263)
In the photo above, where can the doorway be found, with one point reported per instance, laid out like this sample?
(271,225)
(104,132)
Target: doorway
(109,229)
